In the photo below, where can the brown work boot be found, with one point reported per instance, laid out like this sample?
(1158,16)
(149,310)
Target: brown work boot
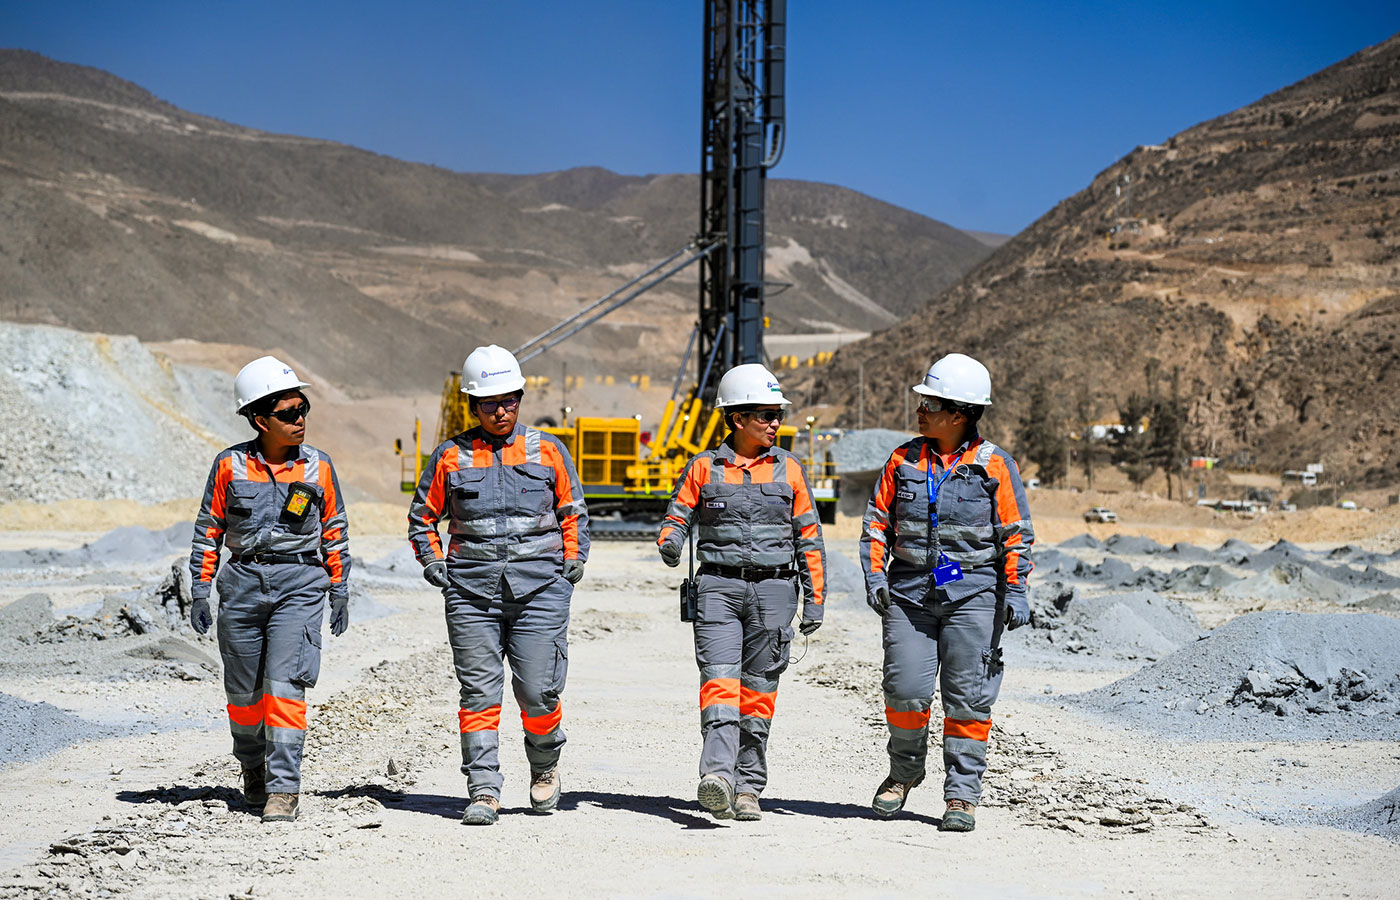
(746,808)
(544,790)
(255,787)
(960,816)
(716,795)
(484,810)
(891,794)
(281,808)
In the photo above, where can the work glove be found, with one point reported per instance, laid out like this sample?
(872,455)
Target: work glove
(340,614)
(1018,611)
(573,571)
(671,554)
(809,625)
(878,599)
(200,616)
(435,573)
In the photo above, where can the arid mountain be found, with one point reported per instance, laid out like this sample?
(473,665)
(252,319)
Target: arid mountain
(121,213)
(1257,255)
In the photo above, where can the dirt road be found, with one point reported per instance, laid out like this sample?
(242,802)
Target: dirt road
(157,815)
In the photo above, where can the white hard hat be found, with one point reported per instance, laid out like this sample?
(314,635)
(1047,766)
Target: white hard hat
(749,385)
(959,378)
(263,377)
(489,371)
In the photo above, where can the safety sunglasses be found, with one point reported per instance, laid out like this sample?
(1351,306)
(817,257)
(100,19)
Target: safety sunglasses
(291,414)
(936,404)
(768,415)
(510,404)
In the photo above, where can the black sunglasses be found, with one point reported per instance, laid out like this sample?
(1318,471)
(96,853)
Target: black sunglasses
(768,415)
(510,404)
(936,404)
(291,413)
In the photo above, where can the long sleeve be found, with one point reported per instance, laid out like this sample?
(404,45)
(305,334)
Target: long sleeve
(807,539)
(429,501)
(335,532)
(209,529)
(675,528)
(876,531)
(569,505)
(1011,523)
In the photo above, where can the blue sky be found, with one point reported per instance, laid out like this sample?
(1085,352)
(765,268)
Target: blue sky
(983,115)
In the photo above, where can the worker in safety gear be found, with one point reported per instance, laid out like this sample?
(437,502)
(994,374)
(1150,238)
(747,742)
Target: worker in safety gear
(276,503)
(519,539)
(946,551)
(757,532)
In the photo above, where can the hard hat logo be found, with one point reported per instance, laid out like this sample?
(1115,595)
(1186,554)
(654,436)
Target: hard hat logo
(959,378)
(264,377)
(499,372)
(748,384)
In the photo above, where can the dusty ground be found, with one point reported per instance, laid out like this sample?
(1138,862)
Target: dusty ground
(154,814)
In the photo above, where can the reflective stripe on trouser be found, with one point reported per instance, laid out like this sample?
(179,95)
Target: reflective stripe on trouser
(269,629)
(532,633)
(957,635)
(742,638)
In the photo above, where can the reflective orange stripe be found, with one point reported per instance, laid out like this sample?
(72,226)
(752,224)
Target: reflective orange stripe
(246,715)
(719,690)
(488,719)
(283,713)
(967,728)
(756,703)
(543,724)
(912,720)
(482,457)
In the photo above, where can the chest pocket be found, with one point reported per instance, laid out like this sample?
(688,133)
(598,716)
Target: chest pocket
(774,503)
(719,503)
(966,500)
(472,495)
(911,495)
(531,489)
(242,502)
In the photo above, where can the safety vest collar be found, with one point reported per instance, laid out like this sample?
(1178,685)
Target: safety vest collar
(253,450)
(725,452)
(477,433)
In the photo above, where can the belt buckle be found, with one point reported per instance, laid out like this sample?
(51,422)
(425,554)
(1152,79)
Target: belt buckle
(260,558)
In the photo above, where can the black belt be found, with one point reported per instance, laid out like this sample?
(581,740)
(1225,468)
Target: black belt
(305,559)
(747,573)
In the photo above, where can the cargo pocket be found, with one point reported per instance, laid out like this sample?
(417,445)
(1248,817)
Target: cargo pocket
(782,650)
(561,665)
(309,661)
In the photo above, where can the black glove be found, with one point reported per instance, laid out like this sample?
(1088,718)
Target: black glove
(435,573)
(809,625)
(340,614)
(1018,611)
(573,571)
(878,599)
(671,554)
(200,616)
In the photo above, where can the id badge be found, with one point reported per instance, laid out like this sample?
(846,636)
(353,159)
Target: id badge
(947,572)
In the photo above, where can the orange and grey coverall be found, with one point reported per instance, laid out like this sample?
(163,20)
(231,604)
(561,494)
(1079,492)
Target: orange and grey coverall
(272,595)
(757,531)
(983,524)
(515,513)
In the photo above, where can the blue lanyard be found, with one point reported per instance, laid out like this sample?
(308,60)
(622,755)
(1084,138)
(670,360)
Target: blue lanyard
(933,490)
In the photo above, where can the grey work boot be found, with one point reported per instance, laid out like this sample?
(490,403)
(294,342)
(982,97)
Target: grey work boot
(255,787)
(281,808)
(545,788)
(746,808)
(890,796)
(484,810)
(960,816)
(716,795)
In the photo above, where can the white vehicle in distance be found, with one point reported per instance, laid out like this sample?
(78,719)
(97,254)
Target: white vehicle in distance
(1101,514)
(1347,504)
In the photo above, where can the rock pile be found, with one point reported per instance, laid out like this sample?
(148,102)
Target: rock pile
(1269,675)
(1138,625)
(28,730)
(866,450)
(1380,817)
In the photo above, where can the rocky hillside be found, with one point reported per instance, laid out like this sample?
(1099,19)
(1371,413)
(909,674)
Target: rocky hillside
(121,213)
(1256,254)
